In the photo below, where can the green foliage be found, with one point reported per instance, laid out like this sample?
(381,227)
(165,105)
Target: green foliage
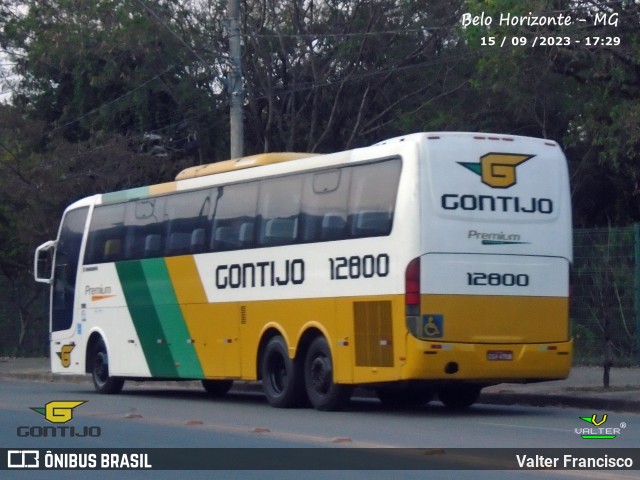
(114,66)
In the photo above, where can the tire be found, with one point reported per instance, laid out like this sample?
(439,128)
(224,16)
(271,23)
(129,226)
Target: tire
(217,388)
(322,392)
(281,376)
(405,396)
(102,381)
(458,397)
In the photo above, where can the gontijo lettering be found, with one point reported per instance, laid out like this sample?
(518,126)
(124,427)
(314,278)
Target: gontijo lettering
(490,203)
(260,274)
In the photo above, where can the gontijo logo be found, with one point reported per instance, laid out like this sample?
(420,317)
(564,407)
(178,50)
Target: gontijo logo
(65,354)
(498,170)
(58,411)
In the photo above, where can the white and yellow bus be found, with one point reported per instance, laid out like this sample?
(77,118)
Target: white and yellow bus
(429,263)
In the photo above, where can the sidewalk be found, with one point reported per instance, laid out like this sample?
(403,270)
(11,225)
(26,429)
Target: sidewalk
(583,388)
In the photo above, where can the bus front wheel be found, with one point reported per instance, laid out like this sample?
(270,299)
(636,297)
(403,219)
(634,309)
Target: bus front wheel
(102,382)
(281,376)
(322,392)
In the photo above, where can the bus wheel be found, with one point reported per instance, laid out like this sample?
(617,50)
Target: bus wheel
(281,376)
(217,388)
(405,396)
(318,376)
(458,397)
(102,382)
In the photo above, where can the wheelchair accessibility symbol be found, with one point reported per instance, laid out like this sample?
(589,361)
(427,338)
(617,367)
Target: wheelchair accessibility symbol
(432,326)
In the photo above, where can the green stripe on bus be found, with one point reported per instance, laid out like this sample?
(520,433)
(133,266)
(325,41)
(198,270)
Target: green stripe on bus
(124,195)
(145,319)
(171,318)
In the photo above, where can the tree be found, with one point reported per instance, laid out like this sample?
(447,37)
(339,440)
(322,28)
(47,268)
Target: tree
(326,76)
(126,67)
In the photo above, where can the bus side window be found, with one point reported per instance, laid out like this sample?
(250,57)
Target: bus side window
(246,235)
(279,231)
(198,241)
(152,246)
(372,198)
(333,226)
(178,243)
(112,250)
(279,205)
(186,220)
(324,205)
(106,234)
(371,223)
(234,217)
(143,226)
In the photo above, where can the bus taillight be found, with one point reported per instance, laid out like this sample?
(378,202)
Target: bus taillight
(412,288)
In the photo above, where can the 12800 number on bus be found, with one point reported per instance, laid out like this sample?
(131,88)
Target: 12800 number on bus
(497,279)
(367,266)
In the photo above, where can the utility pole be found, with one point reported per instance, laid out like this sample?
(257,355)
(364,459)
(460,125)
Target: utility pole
(235,80)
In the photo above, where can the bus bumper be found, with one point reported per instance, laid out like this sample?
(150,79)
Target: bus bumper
(487,363)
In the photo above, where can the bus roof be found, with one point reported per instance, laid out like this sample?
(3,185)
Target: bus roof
(240,163)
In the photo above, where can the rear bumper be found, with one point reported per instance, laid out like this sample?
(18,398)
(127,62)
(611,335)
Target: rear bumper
(487,363)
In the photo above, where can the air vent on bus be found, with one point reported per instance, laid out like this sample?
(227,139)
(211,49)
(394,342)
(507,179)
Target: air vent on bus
(374,333)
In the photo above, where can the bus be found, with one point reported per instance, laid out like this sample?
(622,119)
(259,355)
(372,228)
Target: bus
(426,266)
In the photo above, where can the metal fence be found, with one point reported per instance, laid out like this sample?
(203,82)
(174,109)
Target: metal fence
(605,298)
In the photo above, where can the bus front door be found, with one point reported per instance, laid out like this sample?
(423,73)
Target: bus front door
(65,330)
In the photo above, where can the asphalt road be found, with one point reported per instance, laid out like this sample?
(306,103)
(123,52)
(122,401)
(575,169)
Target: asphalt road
(152,417)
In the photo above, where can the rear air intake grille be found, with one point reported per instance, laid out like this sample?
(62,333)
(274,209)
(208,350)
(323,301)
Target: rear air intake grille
(374,346)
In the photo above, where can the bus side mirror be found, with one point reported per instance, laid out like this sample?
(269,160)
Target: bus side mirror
(43,262)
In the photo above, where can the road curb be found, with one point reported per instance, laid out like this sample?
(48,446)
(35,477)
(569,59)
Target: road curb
(560,400)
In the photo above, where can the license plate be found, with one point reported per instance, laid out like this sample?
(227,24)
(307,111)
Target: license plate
(500,355)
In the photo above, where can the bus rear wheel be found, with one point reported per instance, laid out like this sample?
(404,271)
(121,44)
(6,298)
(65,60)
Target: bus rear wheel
(281,376)
(458,397)
(322,392)
(102,381)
